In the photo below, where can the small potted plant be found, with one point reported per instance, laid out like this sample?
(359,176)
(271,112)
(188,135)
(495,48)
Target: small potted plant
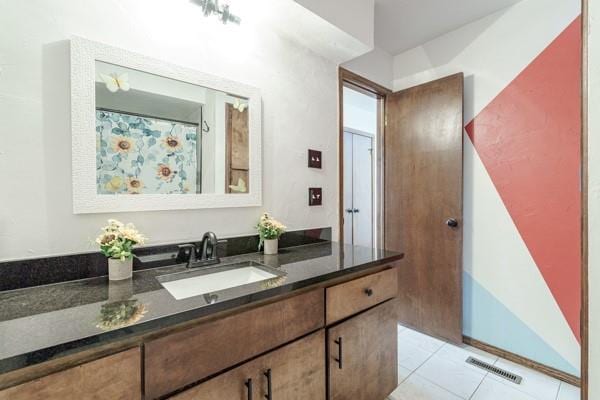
(116,242)
(269,231)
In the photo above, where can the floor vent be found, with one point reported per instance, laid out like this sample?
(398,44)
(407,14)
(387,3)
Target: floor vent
(495,370)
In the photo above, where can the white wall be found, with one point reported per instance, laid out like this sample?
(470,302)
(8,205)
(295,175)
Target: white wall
(594,198)
(336,29)
(360,111)
(376,65)
(356,17)
(299,91)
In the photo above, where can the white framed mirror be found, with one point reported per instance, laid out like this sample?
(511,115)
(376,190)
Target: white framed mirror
(150,135)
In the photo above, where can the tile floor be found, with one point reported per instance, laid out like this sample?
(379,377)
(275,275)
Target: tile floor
(429,369)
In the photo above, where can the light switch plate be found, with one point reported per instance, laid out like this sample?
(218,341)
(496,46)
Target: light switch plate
(315,158)
(315,196)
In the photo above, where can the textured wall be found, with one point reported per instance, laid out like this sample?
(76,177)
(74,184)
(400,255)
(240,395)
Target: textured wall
(521,166)
(299,92)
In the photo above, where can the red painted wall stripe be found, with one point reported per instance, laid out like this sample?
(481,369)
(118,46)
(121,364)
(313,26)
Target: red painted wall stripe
(528,138)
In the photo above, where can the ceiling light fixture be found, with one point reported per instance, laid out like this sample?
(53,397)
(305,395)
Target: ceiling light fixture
(212,7)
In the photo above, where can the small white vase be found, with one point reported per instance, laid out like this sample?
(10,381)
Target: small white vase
(119,270)
(120,290)
(270,246)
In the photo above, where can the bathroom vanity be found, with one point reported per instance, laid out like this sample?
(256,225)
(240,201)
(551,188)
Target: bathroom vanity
(316,321)
(324,328)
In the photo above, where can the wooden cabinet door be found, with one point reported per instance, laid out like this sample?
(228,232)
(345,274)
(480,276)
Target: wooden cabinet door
(294,372)
(192,355)
(237,384)
(362,355)
(297,371)
(115,377)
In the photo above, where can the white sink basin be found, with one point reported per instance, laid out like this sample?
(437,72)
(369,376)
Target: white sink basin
(210,280)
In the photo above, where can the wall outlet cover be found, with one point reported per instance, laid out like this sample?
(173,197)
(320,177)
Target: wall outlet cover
(314,159)
(315,196)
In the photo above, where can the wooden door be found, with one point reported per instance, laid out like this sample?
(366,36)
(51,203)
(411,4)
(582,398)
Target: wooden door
(238,153)
(423,203)
(362,355)
(294,372)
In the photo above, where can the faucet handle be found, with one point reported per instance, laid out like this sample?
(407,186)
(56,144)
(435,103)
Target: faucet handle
(221,248)
(186,252)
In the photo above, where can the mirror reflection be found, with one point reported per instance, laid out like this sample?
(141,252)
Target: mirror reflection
(156,135)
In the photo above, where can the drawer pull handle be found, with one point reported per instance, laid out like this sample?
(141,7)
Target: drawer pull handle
(249,386)
(269,395)
(369,292)
(340,353)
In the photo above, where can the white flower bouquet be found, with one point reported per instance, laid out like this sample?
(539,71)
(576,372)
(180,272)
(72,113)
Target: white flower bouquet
(269,229)
(117,240)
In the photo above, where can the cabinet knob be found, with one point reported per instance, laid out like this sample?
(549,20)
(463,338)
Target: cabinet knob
(369,292)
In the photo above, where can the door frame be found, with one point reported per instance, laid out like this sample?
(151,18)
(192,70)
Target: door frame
(584,330)
(370,88)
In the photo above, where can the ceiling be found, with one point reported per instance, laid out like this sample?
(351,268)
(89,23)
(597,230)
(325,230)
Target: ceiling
(403,24)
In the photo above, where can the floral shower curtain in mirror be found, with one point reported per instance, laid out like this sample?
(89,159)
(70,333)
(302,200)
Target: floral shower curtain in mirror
(138,154)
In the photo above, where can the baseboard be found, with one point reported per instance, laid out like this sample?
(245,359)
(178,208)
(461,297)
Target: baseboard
(553,372)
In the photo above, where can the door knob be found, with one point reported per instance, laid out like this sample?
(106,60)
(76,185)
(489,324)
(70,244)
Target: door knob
(452,223)
(349,210)
(356,210)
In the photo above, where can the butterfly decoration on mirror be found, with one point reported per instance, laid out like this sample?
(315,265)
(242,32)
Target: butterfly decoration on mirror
(115,82)
(240,187)
(240,105)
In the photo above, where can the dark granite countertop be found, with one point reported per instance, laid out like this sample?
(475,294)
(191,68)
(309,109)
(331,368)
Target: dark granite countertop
(46,322)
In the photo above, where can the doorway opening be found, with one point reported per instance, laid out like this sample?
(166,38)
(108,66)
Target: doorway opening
(360,152)
(361,160)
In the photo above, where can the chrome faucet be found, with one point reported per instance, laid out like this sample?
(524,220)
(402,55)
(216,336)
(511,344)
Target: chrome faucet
(202,255)
(209,247)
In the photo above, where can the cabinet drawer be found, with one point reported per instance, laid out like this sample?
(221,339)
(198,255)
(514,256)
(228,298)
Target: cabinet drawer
(297,372)
(180,359)
(349,298)
(116,377)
